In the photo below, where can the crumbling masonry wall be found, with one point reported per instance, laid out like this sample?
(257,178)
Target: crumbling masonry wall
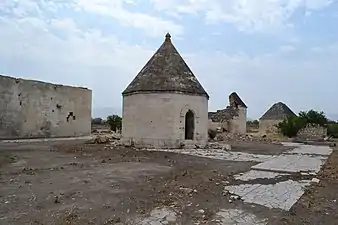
(231,119)
(34,109)
(312,132)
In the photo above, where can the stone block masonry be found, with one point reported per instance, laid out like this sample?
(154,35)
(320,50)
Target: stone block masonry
(35,109)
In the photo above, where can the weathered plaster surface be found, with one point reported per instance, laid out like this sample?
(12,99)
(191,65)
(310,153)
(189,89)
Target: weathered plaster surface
(158,119)
(268,126)
(34,109)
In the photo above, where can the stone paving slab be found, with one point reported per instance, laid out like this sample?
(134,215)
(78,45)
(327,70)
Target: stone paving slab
(220,154)
(312,150)
(281,195)
(293,163)
(257,174)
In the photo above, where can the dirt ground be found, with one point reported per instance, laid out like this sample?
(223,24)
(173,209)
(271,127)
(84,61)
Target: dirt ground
(74,183)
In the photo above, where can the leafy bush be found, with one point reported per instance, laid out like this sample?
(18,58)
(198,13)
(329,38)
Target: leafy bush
(291,125)
(314,117)
(115,122)
(332,130)
(212,134)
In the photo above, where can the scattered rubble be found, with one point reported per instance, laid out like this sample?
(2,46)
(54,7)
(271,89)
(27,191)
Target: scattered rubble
(225,136)
(104,138)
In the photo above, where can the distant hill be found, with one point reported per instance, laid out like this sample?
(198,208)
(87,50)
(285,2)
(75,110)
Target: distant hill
(103,112)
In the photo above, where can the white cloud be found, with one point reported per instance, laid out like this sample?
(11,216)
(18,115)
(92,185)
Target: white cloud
(153,26)
(57,50)
(246,15)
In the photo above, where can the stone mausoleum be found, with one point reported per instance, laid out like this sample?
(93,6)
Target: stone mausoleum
(165,106)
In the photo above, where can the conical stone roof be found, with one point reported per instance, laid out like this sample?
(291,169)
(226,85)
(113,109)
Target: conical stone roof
(234,98)
(166,71)
(277,111)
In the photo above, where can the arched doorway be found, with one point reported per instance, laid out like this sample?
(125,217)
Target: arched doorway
(189,125)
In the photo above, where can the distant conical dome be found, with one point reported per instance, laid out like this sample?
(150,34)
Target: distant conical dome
(277,111)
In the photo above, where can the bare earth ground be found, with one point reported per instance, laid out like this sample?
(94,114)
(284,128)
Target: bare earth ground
(74,183)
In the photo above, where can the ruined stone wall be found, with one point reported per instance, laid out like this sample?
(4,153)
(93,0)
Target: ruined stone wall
(312,131)
(268,126)
(231,119)
(158,119)
(34,109)
(238,123)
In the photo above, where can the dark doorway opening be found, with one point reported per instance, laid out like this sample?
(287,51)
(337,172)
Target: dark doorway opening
(189,125)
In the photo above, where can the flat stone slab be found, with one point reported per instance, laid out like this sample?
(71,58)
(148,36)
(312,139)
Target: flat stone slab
(281,195)
(236,217)
(293,163)
(312,150)
(220,154)
(257,174)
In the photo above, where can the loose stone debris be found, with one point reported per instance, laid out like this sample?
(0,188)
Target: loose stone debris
(159,216)
(236,217)
(104,138)
(225,136)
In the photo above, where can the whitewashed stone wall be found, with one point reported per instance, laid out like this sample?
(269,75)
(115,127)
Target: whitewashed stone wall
(268,126)
(158,119)
(35,109)
(238,123)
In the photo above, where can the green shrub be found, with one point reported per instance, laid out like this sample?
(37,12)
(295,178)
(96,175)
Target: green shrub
(115,122)
(291,125)
(332,130)
(314,117)
(212,134)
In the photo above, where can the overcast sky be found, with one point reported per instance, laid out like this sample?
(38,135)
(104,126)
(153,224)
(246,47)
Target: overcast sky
(265,50)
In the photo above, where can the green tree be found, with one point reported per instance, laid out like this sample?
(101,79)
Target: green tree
(332,129)
(314,117)
(115,122)
(291,125)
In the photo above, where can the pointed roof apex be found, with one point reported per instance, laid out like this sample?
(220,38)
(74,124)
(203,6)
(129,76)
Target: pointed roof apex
(235,100)
(167,37)
(277,111)
(166,71)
